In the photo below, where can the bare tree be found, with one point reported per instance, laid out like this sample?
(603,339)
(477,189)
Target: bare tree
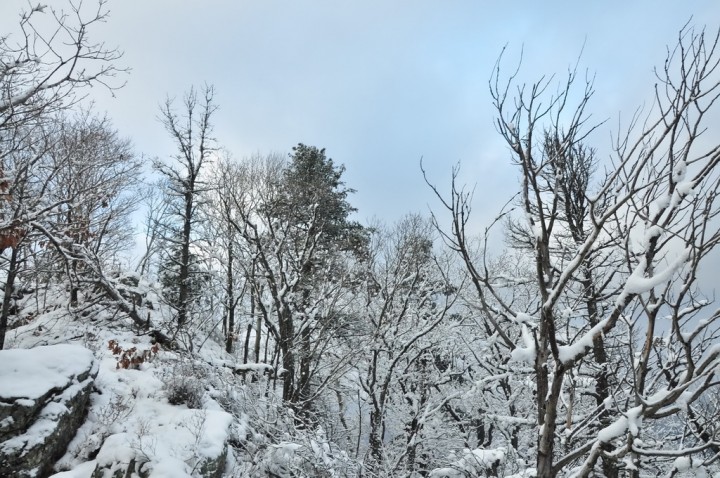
(192,133)
(615,261)
(156,208)
(220,240)
(95,188)
(406,299)
(45,66)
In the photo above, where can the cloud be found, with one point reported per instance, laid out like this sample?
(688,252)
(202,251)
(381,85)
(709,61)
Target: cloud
(377,83)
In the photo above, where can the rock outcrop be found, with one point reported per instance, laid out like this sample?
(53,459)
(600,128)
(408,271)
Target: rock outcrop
(44,395)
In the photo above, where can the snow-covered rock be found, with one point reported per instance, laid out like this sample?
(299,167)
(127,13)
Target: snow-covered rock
(177,442)
(152,437)
(44,393)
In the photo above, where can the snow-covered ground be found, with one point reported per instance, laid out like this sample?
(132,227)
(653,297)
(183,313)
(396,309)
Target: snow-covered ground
(171,414)
(130,416)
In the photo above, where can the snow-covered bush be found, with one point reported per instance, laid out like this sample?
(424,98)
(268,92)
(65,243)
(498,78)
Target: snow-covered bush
(183,386)
(268,441)
(473,463)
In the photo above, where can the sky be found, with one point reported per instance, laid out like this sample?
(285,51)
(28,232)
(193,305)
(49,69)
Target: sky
(379,84)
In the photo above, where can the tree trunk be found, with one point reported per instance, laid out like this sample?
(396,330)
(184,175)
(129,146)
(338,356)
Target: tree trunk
(7,296)
(230,331)
(375,439)
(287,333)
(602,386)
(258,335)
(184,276)
(412,430)
(546,440)
(302,389)
(246,352)
(74,289)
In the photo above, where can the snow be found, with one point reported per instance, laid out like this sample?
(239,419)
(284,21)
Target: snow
(652,232)
(529,473)
(683,400)
(685,188)
(683,463)
(679,171)
(170,440)
(164,436)
(286,450)
(129,418)
(638,284)
(614,430)
(116,449)
(568,353)
(30,374)
(634,417)
(658,397)
(522,318)
(279,458)
(473,463)
(662,202)
(33,373)
(45,423)
(527,353)
(632,421)
(687,466)
(711,355)
(7,422)
(253,367)
(506,419)
(84,470)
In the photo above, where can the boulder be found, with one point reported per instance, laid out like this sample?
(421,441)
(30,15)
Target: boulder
(44,393)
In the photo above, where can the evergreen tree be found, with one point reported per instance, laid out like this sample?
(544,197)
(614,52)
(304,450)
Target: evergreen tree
(294,220)
(313,197)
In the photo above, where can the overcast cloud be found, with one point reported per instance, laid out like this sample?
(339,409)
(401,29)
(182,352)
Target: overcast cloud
(377,83)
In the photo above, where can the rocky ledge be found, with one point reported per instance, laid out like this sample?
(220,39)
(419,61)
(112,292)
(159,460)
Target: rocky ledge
(44,394)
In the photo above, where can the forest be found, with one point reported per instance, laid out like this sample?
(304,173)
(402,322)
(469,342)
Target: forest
(321,346)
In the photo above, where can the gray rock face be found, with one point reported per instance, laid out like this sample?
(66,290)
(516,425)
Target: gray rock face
(44,394)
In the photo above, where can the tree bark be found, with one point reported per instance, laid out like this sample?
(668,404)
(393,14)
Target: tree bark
(246,352)
(7,296)
(230,330)
(184,275)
